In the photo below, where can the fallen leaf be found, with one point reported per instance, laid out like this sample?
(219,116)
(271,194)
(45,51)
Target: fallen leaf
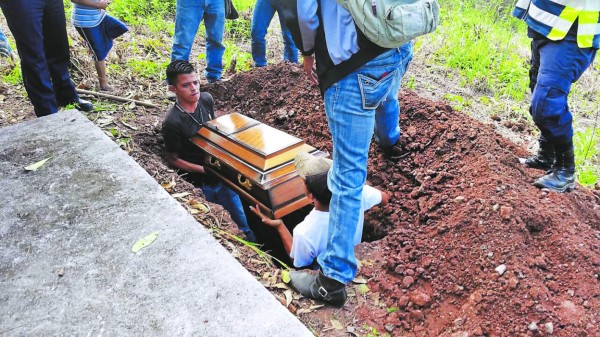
(145,241)
(336,324)
(180,195)
(129,126)
(288,297)
(363,289)
(316,306)
(168,185)
(130,106)
(201,207)
(285,276)
(359,280)
(280,286)
(303,311)
(35,166)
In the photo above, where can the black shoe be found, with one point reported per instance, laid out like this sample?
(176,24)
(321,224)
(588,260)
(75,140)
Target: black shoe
(84,105)
(545,157)
(394,151)
(319,287)
(562,176)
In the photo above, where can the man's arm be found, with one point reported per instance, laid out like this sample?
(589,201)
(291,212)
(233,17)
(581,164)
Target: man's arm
(174,160)
(385,198)
(100,4)
(302,19)
(284,233)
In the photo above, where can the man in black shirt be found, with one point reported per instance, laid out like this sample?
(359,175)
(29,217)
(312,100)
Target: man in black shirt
(191,109)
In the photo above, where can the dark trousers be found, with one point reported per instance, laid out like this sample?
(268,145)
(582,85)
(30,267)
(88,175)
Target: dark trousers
(555,65)
(40,32)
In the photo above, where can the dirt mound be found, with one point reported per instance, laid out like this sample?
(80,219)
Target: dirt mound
(467,246)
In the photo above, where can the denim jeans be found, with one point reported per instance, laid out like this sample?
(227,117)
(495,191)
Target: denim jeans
(261,18)
(555,65)
(226,197)
(364,100)
(188,15)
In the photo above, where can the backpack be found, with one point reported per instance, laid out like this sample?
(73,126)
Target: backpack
(392,23)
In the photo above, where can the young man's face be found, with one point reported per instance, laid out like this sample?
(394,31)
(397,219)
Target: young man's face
(187,88)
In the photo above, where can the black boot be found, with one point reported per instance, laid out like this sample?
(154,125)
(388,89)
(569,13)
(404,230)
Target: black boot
(544,159)
(319,287)
(562,176)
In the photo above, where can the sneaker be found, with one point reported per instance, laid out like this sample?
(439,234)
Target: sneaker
(319,287)
(5,49)
(84,105)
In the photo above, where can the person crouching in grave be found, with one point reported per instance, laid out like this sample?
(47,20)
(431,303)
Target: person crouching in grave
(310,236)
(191,109)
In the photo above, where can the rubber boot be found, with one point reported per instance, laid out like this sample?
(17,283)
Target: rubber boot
(562,176)
(319,287)
(545,157)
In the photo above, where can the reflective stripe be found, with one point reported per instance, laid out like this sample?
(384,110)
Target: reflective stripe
(589,29)
(549,19)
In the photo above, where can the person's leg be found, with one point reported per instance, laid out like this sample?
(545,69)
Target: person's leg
(226,197)
(387,117)
(261,18)
(544,158)
(25,22)
(188,15)
(350,106)
(102,79)
(5,49)
(56,47)
(290,52)
(561,64)
(214,21)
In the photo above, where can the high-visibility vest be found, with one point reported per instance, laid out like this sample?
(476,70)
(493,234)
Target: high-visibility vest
(554,18)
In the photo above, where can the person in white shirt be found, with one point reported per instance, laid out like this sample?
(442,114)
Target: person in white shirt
(310,236)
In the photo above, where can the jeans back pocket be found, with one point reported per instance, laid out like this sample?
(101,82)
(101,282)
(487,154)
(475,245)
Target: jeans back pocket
(374,92)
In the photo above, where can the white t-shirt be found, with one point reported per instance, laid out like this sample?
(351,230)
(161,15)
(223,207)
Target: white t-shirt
(310,236)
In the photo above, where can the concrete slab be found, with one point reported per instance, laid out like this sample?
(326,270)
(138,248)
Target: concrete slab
(66,233)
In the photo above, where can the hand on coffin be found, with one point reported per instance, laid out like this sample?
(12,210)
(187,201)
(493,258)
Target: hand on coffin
(266,220)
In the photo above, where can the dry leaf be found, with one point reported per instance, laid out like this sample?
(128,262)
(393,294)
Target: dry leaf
(35,166)
(145,241)
(288,297)
(336,324)
(129,126)
(180,195)
(363,289)
(285,276)
(359,280)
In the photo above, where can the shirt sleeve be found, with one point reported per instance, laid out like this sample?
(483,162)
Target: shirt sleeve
(301,17)
(370,197)
(209,103)
(302,251)
(172,138)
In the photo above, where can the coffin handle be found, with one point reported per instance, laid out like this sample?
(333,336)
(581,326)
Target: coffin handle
(245,182)
(214,162)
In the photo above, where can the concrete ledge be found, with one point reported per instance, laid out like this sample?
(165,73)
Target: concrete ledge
(79,215)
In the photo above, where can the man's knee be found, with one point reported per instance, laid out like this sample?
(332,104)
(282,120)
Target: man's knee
(548,102)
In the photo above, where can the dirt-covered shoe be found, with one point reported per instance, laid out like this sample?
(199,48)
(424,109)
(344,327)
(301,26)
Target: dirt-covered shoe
(544,159)
(319,287)
(395,151)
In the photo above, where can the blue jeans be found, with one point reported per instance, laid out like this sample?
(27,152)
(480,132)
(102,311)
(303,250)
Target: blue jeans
(261,18)
(555,65)
(226,197)
(40,33)
(188,15)
(364,100)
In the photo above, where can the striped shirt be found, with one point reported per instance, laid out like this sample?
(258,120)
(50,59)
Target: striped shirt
(554,18)
(86,17)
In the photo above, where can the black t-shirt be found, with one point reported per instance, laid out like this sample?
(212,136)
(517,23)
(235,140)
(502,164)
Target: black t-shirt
(179,126)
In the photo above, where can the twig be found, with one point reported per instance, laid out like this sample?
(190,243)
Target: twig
(116,98)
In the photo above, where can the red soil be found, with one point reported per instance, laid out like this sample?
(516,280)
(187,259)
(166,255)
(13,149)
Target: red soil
(462,205)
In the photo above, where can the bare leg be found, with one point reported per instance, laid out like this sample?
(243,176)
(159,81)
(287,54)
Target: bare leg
(101,70)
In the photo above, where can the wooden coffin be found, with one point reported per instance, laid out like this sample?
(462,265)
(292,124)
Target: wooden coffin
(256,160)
